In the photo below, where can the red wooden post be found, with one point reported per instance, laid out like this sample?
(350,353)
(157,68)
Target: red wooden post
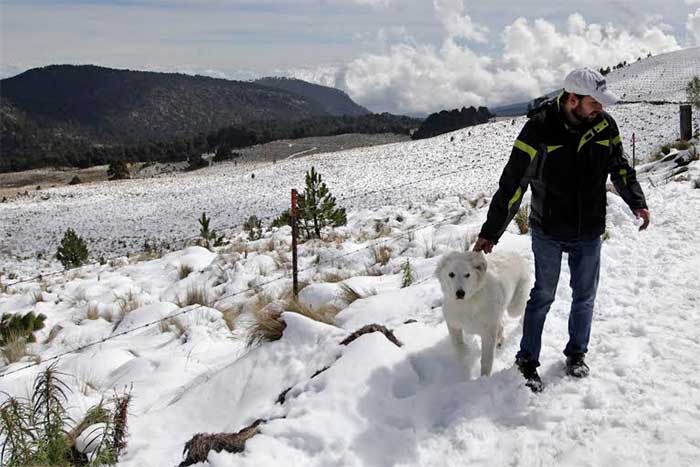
(293,220)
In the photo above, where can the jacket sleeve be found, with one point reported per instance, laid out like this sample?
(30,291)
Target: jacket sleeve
(622,175)
(512,185)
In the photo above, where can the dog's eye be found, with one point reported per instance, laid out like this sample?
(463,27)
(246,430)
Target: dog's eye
(452,274)
(466,275)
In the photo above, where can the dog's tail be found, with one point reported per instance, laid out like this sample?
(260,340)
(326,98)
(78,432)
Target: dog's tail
(516,307)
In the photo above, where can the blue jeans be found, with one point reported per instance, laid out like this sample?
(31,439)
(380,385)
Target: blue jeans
(584,265)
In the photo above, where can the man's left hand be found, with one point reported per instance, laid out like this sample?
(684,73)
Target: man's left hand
(644,214)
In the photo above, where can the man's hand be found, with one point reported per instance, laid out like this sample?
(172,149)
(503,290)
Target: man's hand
(644,214)
(483,245)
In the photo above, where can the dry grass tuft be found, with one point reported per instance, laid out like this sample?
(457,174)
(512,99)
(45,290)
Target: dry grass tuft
(128,302)
(382,254)
(15,349)
(93,312)
(173,325)
(267,326)
(325,314)
(333,277)
(230,314)
(195,296)
(184,271)
(350,294)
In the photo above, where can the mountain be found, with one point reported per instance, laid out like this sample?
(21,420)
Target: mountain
(331,100)
(104,105)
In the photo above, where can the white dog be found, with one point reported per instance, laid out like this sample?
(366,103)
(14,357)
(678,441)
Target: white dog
(476,292)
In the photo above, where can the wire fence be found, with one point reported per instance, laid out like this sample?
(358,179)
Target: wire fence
(405,234)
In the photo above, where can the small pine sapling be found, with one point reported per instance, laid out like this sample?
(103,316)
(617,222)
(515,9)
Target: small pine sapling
(73,251)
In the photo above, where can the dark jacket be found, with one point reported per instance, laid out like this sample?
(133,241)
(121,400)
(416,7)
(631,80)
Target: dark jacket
(567,169)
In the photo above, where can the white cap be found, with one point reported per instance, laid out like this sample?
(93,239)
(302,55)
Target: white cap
(588,82)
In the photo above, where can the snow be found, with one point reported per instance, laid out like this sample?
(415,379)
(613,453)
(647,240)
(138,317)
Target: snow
(374,404)
(662,77)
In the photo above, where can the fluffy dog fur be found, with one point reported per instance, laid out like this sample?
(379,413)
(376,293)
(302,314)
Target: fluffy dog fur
(476,293)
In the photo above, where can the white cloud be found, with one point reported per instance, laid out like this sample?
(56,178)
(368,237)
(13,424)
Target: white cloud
(692,2)
(456,23)
(693,25)
(418,78)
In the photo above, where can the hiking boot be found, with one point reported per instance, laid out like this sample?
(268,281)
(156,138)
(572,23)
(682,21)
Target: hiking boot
(529,371)
(576,366)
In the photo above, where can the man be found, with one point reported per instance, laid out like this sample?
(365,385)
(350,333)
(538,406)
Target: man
(564,152)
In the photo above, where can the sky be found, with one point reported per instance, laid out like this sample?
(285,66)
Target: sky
(409,57)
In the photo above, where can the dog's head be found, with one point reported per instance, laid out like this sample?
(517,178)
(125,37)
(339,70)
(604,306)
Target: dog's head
(461,274)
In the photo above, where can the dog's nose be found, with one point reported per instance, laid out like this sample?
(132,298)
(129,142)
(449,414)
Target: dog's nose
(460,294)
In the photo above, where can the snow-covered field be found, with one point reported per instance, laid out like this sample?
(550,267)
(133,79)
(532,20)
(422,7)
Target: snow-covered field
(117,217)
(378,404)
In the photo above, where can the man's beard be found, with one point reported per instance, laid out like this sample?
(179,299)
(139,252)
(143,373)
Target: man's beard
(581,117)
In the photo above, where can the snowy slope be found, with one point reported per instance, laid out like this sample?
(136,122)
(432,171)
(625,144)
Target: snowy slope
(117,217)
(660,78)
(378,404)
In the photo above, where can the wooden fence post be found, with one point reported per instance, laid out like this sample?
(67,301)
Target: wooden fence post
(293,220)
(686,122)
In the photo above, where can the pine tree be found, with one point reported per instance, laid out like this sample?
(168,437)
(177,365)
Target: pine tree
(317,208)
(407,278)
(73,251)
(209,238)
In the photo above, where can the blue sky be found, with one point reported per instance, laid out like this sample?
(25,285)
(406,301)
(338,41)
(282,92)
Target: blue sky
(390,55)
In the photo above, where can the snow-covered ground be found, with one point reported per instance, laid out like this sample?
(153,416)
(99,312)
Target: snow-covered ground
(375,404)
(660,78)
(117,217)
(378,404)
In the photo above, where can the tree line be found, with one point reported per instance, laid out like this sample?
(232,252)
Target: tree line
(26,147)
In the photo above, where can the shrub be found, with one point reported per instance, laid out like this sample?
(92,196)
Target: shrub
(118,170)
(209,238)
(13,326)
(73,251)
(253,226)
(521,219)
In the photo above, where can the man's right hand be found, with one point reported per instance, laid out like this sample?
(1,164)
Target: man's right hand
(483,245)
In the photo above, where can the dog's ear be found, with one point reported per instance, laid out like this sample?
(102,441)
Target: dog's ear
(479,262)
